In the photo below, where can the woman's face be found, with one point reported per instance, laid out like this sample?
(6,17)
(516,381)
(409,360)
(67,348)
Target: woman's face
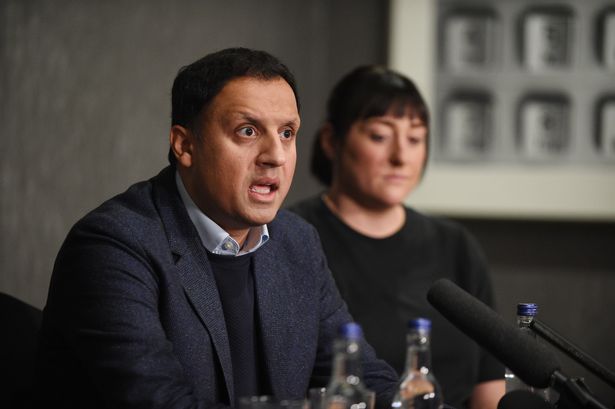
(381,160)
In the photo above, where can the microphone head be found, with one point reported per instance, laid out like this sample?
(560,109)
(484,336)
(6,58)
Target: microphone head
(521,399)
(521,353)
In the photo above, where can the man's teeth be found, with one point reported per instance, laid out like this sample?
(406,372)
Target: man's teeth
(264,189)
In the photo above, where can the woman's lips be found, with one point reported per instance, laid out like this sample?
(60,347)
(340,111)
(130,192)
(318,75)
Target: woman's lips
(396,177)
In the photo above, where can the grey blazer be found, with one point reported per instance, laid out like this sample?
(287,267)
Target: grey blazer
(134,320)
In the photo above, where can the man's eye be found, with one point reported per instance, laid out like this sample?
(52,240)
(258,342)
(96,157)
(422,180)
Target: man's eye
(287,134)
(247,131)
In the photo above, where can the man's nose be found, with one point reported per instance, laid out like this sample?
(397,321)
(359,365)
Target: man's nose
(272,153)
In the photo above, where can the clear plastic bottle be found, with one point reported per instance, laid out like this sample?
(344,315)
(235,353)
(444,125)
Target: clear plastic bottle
(346,389)
(418,388)
(526,312)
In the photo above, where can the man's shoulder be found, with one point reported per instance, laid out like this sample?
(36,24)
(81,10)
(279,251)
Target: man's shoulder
(293,242)
(130,204)
(135,209)
(293,233)
(287,223)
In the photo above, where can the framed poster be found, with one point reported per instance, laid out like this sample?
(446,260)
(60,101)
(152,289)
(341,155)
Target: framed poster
(522,100)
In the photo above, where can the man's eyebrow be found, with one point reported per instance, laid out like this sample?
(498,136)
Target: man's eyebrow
(251,118)
(245,115)
(293,123)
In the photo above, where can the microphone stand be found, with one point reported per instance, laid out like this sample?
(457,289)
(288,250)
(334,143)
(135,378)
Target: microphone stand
(574,393)
(573,352)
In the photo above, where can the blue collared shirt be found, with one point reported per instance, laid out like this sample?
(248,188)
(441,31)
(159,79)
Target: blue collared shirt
(213,237)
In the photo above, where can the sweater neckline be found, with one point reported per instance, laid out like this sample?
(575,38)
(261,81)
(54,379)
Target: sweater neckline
(347,228)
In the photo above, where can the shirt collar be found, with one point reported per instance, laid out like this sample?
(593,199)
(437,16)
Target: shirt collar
(213,237)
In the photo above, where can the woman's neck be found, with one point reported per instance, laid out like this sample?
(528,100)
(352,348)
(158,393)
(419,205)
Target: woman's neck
(372,222)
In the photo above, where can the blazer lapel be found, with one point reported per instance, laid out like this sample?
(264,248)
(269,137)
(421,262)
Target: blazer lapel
(280,322)
(194,269)
(200,286)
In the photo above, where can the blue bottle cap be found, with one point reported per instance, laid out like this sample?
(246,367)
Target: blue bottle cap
(351,330)
(419,323)
(527,309)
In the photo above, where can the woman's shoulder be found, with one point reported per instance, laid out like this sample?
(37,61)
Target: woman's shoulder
(442,232)
(454,243)
(433,224)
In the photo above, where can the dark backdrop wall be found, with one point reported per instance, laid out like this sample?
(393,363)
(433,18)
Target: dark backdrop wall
(85,106)
(568,268)
(85,110)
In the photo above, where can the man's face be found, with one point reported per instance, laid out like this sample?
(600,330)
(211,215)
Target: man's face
(242,165)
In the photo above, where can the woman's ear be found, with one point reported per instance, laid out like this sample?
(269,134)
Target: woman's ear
(328,143)
(182,145)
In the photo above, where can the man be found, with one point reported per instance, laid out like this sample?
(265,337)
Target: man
(190,290)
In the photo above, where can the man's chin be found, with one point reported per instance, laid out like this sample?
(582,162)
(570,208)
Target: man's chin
(260,218)
(257,214)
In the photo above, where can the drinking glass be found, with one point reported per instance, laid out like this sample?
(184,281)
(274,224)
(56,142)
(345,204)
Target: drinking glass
(316,398)
(270,402)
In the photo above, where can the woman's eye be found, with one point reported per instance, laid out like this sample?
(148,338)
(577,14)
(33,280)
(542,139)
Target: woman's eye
(376,137)
(247,131)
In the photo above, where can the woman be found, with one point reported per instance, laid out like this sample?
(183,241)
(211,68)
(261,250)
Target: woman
(371,153)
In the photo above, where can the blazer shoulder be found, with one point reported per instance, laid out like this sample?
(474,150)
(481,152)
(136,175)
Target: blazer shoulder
(135,206)
(130,217)
(288,226)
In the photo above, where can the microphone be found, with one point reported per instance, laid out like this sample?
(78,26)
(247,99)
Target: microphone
(529,360)
(521,399)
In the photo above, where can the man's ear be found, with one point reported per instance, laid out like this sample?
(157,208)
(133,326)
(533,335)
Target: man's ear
(182,145)
(327,141)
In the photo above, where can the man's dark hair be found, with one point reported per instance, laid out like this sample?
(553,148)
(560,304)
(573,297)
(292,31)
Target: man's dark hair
(197,84)
(365,92)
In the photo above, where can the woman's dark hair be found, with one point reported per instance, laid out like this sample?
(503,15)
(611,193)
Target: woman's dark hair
(197,84)
(365,92)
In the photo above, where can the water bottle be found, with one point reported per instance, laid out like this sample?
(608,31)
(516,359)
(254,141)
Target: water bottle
(418,388)
(346,389)
(526,312)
